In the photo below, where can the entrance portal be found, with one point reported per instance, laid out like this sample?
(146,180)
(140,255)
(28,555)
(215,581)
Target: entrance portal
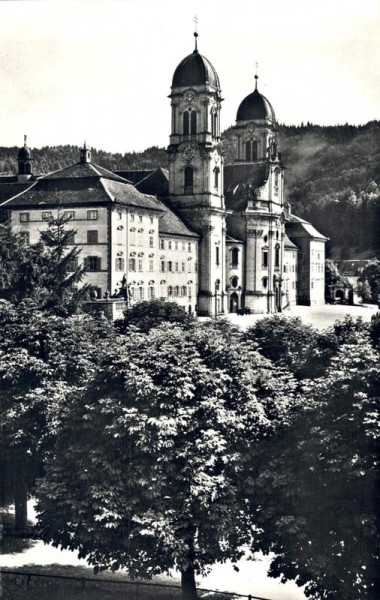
(234,302)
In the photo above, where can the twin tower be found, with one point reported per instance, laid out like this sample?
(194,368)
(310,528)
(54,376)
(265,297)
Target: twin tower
(236,209)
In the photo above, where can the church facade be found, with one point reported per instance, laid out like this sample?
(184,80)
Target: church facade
(215,238)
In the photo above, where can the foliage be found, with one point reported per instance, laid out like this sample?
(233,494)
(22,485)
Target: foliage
(370,277)
(333,276)
(42,357)
(151,313)
(293,345)
(315,498)
(146,467)
(43,272)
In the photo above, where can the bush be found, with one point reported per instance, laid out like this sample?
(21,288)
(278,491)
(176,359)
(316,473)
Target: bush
(152,313)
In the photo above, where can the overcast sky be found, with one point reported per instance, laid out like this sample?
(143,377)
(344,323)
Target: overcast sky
(102,69)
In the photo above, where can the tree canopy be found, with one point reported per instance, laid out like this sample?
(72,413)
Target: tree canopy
(146,467)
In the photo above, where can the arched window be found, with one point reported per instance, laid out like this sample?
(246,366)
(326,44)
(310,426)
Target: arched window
(265,282)
(186,123)
(216,177)
(189,179)
(251,150)
(193,122)
(276,182)
(234,281)
(277,256)
(235,257)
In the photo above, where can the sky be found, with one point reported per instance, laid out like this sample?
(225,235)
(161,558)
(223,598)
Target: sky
(101,70)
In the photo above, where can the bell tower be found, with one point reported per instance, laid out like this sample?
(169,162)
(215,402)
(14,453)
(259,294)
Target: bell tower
(196,170)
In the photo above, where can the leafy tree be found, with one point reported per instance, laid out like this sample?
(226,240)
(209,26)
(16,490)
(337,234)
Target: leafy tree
(151,313)
(315,499)
(145,471)
(371,277)
(42,356)
(293,345)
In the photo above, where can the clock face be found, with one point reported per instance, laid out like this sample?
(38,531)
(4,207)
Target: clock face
(189,151)
(189,96)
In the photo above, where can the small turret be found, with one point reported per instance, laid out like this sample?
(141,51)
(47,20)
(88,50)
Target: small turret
(85,154)
(24,159)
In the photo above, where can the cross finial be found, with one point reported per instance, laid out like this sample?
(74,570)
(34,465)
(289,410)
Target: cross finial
(196,32)
(256,74)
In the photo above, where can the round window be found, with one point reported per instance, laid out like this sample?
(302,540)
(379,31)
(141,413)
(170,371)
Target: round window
(234,281)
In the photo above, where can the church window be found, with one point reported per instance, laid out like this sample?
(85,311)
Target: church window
(276,178)
(189,179)
(277,256)
(235,257)
(265,258)
(216,177)
(251,150)
(186,122)
(132,264)
(234,281)
(193,122)
(92,215)
(265,282)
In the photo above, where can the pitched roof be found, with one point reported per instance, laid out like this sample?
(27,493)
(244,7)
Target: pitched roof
(156,183)
(86,169)
(231,240)
(239,179)
(289,244)
(8,190)
(171,224)
(82,183)
(300,228)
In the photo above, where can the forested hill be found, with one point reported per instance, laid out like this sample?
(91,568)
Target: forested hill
(332,178)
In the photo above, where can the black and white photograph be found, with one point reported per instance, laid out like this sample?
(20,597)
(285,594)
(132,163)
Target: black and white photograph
(189,300)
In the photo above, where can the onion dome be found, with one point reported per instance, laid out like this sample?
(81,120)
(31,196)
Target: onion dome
(255,106)
(195,69)
(24,153)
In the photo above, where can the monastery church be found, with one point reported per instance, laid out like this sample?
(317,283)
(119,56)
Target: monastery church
(214,238)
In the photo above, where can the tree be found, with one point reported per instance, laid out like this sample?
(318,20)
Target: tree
(293,345)
(315,500)
(145,471)
(151,313)
(45,273)
(371,277)
(42,356)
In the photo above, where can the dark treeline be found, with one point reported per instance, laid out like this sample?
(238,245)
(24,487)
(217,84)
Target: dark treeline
(332,177)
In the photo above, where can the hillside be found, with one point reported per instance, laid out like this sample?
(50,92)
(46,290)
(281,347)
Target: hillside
(332,178)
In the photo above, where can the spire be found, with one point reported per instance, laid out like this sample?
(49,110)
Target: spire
(256,74)
(196,33)
(24,141)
